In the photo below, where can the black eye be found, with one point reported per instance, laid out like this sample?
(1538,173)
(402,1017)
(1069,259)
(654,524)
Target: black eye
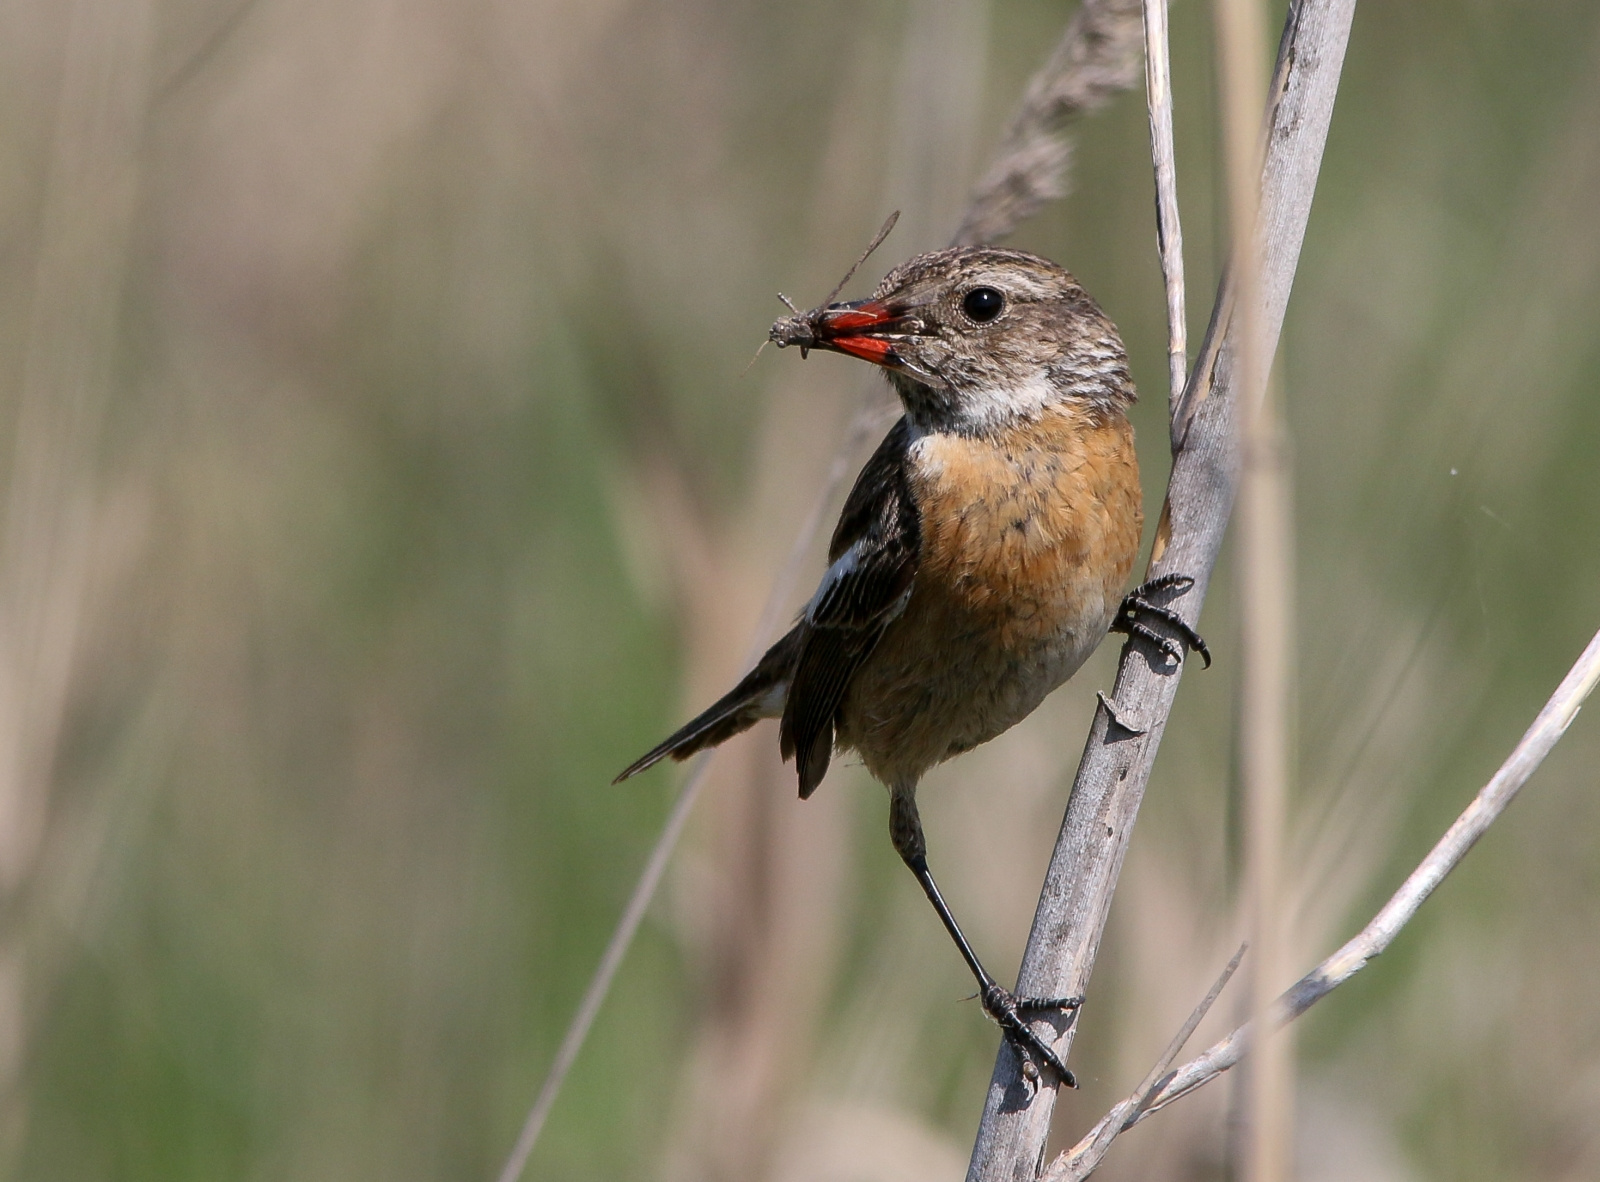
(983,304)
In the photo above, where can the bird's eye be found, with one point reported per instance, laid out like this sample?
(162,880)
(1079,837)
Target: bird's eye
(983,304)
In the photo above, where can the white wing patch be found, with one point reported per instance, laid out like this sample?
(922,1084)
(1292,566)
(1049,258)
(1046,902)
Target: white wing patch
(843,567)
(772,702)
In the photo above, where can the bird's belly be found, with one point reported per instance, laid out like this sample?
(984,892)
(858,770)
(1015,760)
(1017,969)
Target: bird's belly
(1025,548)
(915,703)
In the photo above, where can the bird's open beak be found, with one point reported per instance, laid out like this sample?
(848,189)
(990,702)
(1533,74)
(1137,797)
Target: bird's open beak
(861,329)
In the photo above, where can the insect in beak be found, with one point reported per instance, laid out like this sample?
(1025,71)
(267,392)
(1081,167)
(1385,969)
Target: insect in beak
(854,329)
(807,329)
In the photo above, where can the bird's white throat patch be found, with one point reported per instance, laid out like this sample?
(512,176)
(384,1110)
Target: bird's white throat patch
(993,407)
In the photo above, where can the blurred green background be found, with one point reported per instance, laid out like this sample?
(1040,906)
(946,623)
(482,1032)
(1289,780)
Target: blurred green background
(382,472)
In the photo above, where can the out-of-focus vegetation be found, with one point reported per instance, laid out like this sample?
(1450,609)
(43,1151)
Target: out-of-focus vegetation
(382,472)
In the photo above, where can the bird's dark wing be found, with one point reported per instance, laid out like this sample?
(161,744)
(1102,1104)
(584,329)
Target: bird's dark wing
(874,563)
(737,710)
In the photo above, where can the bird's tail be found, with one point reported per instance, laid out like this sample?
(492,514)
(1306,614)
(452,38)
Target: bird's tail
(759,695)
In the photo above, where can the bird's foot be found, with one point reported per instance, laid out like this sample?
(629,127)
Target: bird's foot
(1011,1013)
(1138,603)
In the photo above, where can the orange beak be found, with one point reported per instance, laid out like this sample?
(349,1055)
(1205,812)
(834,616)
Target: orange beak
(852,328)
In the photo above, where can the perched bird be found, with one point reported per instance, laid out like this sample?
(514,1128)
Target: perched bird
(981,555)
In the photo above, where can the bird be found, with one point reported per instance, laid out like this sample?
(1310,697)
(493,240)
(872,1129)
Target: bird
(980,556)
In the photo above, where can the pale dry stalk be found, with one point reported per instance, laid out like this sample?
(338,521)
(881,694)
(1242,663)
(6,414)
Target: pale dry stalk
(1169,226)
(1266,592)
(1486,808)
(1127,729)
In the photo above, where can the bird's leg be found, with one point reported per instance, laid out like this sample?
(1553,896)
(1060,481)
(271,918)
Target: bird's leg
(1138,603)
(1010,1011)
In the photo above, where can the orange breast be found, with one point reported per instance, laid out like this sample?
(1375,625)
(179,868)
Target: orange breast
(1027,543)
(1035,531)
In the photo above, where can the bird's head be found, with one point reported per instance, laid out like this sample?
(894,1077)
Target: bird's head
(977,338)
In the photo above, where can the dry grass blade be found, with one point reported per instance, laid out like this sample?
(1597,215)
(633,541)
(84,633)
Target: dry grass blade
(1486,808)
(599,986)
(1097,56)
(1169,227)
(63,564)
(1084,1158)
(644,890)
(1186,1031)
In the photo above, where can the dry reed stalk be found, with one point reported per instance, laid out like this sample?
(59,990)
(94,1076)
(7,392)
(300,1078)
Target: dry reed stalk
(1484,810)
(1127,729)
(1169,226)
(1266,595)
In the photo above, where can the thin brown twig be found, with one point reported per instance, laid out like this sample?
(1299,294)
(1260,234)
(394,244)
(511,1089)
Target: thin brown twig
(594,995)
(1186,1031)
(1486,808)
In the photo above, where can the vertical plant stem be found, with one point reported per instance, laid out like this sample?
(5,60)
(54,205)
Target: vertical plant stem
(1126,735)
(1266,725)
(1264,549)
(1169,230)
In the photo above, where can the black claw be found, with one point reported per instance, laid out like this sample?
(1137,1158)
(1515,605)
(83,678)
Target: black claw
(1169,648)
(1007,1010)
(1190,637)
(1138,603)
(1180,583)
(1037,1005)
